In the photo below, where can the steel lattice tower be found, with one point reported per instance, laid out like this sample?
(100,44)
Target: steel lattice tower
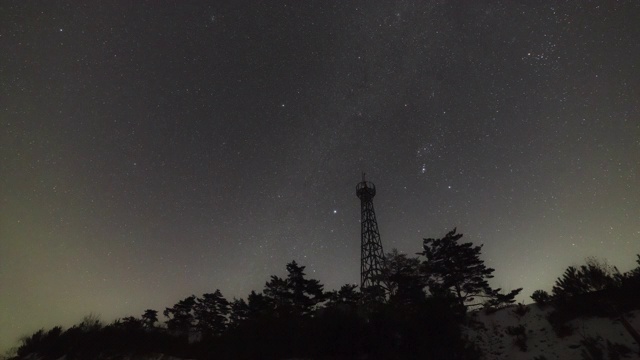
(372,256)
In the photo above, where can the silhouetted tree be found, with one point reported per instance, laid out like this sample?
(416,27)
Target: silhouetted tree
(180,316)
(497,299)
(277,294)
(593,276)
(631,279)
(636,271)
(306,294)
(541,297)
(457,268)
(90,323)
(131,323)
(149,318)
(373,297)
(258,305)
(295,294)
(347,295)
(238,312)
(569,284)
(211,311)
(48,344)
(405,283)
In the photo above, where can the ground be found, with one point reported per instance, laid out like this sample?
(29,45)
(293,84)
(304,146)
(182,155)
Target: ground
(541,340)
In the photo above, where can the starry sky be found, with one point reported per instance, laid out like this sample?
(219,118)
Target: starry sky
(151,150)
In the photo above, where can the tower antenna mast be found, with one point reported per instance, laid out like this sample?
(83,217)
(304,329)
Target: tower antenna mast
(371,253)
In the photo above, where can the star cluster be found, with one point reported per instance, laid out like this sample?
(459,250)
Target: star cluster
(153,150)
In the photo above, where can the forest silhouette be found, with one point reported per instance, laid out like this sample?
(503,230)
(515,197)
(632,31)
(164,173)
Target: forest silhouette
(419,312)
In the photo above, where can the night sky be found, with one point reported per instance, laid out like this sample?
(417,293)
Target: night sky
(153,150)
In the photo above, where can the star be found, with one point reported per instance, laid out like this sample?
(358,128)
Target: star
(110,153)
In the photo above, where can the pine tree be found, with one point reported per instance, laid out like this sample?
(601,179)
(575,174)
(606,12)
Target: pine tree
(258,305)
(210,312)
(149,318)
(131,323)
(405,283)
(239,312)
(347,295)
(276,292)
(180,316)
(456,268)
(295,294)
(631,281)
(635,273)
(541,297)
(306,294)
(594,276)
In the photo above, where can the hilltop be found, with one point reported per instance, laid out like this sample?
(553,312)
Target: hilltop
(584,337)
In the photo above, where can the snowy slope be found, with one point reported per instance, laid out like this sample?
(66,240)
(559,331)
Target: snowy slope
(491,335)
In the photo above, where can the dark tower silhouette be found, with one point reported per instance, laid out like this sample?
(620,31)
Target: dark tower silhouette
(371,255)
